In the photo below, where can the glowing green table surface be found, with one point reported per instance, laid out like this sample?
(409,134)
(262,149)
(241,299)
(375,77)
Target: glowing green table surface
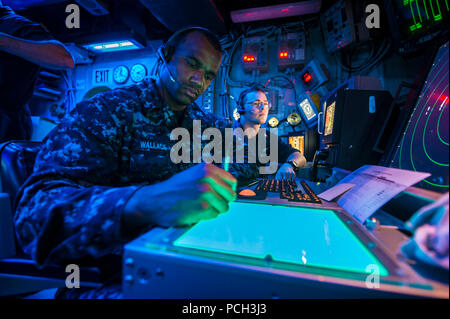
(294,235)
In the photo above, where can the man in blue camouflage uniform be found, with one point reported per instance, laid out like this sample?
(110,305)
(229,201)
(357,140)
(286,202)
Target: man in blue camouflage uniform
(104,175)
(253,109)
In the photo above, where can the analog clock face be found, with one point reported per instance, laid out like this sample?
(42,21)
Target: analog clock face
(121,74)
(138,72)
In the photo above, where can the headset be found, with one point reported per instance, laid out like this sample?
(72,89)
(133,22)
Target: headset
(161,56)
(166,50)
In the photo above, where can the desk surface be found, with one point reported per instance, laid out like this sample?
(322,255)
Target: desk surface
(274,245)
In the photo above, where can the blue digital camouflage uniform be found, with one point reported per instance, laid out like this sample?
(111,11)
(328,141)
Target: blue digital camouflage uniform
(70,209)
(284,150)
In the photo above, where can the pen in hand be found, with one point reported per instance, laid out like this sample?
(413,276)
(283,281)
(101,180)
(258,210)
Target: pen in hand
(226,164)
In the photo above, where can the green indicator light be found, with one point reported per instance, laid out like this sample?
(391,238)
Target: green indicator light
(437,16)
(412,13)
(418,10)
(426,11)
(415,27)
(293,235)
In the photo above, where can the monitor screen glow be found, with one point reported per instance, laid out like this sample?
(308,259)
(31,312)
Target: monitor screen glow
(329,119)
(294,235)
(308,111)
(298,142)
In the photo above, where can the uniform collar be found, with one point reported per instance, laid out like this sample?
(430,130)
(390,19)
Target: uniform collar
(155,106)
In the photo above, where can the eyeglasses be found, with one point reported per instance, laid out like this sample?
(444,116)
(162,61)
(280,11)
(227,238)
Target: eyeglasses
(258,104)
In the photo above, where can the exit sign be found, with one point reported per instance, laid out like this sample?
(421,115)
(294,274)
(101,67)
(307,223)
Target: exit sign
(102,76)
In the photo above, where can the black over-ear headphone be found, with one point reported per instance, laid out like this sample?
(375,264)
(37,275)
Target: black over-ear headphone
(166,50)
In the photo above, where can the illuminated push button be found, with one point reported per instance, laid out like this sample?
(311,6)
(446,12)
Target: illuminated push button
(159,272)
(129,262)
(293,119)
(128,279)
(143,275)
(247,192)
(273,121)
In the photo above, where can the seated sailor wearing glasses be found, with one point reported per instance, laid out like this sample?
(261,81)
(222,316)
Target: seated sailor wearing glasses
(253,109)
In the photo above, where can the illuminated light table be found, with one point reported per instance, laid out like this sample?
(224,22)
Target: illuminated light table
(266,250)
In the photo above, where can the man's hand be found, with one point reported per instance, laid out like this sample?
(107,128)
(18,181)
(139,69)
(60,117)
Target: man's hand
(286,172)
(201,192)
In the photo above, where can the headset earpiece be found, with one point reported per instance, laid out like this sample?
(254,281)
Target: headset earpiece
(160,53)
(240,108)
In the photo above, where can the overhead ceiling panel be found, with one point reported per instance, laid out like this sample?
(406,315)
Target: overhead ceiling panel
(176,14)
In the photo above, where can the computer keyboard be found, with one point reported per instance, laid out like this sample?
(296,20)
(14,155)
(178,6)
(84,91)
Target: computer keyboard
(289,190)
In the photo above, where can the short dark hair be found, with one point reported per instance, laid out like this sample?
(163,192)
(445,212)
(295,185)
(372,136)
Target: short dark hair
(174,41)
(243,95)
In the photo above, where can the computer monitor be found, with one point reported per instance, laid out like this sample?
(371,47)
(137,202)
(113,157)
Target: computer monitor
(307,142)
(422,143)
(329,119)
(352,122)
(297,142)
(332,110)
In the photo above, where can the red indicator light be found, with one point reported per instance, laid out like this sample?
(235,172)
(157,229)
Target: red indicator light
(285,9)
(283,55)
(249,58)
(443,98)
(307,77)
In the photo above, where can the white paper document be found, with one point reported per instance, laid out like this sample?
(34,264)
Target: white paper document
(335,191)
(374,187)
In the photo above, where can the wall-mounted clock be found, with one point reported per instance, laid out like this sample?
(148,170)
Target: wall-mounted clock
(121,74)
(138,72)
